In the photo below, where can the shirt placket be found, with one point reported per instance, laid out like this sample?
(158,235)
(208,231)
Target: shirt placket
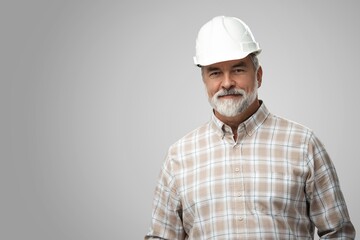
(238,203)
(238,191)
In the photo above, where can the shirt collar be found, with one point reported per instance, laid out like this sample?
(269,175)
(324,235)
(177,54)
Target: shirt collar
(250,125)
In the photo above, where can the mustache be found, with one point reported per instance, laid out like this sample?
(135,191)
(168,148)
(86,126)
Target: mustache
(232,91)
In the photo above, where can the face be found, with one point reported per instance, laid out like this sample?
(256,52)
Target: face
(232,85)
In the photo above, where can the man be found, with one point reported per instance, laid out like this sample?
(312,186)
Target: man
(246,174)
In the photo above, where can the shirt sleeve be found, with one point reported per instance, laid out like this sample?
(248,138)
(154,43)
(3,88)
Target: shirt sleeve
(327,207)
(166,216)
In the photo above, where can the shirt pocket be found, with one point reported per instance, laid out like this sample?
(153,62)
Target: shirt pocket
(277,194)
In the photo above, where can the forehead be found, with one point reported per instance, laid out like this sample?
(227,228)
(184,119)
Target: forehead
(245,62)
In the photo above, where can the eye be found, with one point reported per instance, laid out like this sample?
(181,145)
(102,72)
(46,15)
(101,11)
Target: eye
(214,74)
(238,70)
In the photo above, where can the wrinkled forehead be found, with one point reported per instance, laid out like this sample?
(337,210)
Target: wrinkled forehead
(244,62)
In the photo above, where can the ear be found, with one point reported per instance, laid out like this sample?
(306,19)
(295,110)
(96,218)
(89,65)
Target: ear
(259,74)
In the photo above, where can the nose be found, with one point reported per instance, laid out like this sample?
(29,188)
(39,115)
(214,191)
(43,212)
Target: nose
(227,82)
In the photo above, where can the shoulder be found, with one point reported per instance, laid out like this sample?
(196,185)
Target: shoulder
(194,135)
(192,141)
(286,125)
(269,123)
(288,131)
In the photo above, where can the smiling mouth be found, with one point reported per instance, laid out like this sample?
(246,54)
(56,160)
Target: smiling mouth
(230,95)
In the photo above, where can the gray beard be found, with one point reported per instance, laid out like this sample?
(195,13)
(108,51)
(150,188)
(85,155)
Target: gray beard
(233,107)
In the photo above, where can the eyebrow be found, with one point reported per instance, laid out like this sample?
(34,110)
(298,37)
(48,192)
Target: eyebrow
(240,64)
(210,69)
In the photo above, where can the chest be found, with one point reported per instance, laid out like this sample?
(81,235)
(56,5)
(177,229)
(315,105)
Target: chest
(249,177)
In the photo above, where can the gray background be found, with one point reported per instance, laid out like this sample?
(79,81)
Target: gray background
(94,92)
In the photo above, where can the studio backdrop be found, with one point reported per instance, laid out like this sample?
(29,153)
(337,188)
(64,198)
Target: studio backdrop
(94,92)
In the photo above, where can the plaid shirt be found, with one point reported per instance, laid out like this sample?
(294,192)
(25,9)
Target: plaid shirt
(275,182)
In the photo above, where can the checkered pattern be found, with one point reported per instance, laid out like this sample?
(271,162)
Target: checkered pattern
(275,182)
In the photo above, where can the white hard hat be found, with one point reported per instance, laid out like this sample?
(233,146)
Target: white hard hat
(222,39)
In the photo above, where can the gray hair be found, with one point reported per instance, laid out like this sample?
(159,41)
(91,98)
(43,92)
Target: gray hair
(255,61)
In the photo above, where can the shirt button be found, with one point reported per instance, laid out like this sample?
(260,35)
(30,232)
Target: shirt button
(237,169)
(240,218)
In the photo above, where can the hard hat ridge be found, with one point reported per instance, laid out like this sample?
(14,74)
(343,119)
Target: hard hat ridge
(222,39)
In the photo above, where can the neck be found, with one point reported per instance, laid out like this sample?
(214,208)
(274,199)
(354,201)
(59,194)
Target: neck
(235,121)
